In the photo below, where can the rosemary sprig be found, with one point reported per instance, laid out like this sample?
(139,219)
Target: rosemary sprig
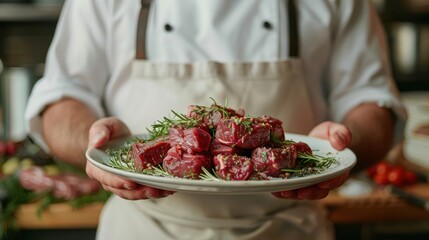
(157,171)
(204,111)
(161,127)
(246,122)
(208,176)
(120,158)
(311,164)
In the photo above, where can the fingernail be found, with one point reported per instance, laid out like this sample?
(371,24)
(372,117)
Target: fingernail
(96,138)
(339,137)
(168,193)
(129,186)
(304,195)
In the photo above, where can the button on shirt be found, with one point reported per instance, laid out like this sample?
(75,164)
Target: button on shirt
(341,47)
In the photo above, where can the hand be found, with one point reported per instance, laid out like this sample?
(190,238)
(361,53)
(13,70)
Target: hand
(340,137)
(100,133)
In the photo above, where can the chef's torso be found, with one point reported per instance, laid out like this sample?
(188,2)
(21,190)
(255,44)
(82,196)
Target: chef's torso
(237,44)
(230,32)
(264,86)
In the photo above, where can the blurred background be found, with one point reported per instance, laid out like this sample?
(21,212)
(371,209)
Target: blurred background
(27,28)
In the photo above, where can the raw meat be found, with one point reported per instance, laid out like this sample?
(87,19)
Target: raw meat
(181,164)
(242,132)
(233,167)
(149,154)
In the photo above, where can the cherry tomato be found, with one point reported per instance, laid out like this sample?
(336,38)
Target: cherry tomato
(370,172)
(2,148)
(381,179)
(396,176)
(11,148)
(384,173)
(410,177)
(382,167)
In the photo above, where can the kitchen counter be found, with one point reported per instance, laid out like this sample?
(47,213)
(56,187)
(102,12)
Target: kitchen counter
(379,206)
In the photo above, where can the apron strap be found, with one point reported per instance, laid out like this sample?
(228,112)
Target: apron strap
(293,29)
(143,19)
(141,29)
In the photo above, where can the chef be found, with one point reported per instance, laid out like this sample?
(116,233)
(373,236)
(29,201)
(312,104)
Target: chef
(115,67)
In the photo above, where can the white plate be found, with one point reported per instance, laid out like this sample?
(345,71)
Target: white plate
(346,160)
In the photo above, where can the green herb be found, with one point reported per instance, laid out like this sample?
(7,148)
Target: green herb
(17,196)
(120,158)
(208,176)
(246,122)
(161,127)
(45,202)
(101,196)
(157,171)
(264,156)
(311,164)
(205,111)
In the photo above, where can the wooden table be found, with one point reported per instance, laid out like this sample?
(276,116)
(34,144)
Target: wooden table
(378,206)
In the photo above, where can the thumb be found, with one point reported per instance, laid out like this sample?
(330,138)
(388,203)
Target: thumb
(98,136)
(105,129)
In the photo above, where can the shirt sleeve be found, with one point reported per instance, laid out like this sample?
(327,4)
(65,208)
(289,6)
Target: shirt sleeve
(76,64)
(359,69)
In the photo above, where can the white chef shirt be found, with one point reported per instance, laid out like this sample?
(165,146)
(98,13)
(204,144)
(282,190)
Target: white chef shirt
(341,46)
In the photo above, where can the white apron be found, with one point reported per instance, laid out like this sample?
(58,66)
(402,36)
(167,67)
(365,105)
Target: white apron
(262,88)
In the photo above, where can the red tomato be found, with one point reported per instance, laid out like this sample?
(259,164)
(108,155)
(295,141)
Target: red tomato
(11,148)
(410,177)
(381,179)
(370,172)
(382,167)
(396,176)
(384,173)
(2,148)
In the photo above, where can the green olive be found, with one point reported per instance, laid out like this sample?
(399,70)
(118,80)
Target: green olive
(26,163)
(10,166)
(51,169)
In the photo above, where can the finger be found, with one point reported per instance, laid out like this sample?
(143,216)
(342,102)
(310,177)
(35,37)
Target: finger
(335,182)
(109,179)
(339,136)
(98,136)
(105,129)
(134,194)
(117,128)
(141,192)
(312,193)
(292,194)
(322,194)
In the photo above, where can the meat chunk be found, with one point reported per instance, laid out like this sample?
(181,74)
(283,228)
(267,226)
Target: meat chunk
(211,115)
(270,161)
(181,164)
(242,132)
(148,154)
(302,147)
(277,132)
(233,167)
(193,140)
(218,148)
(65,186)
(35,179)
